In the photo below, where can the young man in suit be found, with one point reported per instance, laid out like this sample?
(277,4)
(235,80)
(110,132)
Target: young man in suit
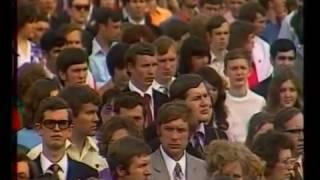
(81,145)
(283,53)
(191,89)
(142,64)
(175,125)
(54,125)
(167,63)
(129,165)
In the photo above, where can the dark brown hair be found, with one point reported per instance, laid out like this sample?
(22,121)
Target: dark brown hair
(140,48)
(236,54)
(128,100)
(281,75)
(239,34)
(181,85)
(283,116)
(138,33)
(107,129)
(248,11)
(174,110)
(163,44)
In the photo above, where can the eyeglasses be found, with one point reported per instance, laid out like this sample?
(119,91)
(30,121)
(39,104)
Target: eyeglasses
(52,124)
(80,7)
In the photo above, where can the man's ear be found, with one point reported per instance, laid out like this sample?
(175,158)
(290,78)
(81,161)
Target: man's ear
(121,172)
(62,75)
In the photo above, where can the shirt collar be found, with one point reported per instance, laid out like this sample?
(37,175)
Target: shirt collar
(96,48)
(201,128)
(133,88)
(158,86)
(171,163)
(92,143)
(46,163)
(142,22)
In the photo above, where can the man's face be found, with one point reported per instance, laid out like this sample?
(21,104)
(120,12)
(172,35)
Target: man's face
(199,101)
(136,114)
(143,71)
(79,11)
(167,65)
(174,137)
(235,5)
(75,74)
(286,58)
(111,31)
(238,72)
(40,28)
(288,94)
(48,6)
(279,6)
(259,23)
(73,39)
(55,128)
(136,8)
(190,7)
(51,58)
(219,37)
(139,169)
(85,123)
(121,78)
(211,10)
(23,170)
(294,128)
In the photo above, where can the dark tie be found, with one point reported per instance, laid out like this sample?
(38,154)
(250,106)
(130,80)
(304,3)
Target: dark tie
(54,168)
(197,145)
(177,172)
(148,117)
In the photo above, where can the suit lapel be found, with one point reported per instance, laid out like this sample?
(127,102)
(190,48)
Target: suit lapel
(158,100)
(191,169)
(38,164)
(159,166)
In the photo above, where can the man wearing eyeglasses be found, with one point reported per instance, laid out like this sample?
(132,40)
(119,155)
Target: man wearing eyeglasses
(54,125)
(291,121)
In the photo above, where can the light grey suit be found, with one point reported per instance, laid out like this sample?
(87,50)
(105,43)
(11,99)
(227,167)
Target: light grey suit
(195,170)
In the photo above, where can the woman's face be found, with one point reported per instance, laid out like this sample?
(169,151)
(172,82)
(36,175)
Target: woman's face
(213,92)
(263,129)
(288,94)
(282,169)
(198,61)
(233,170)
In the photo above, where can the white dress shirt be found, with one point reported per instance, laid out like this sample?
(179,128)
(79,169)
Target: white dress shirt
(171,163)
(63,164)
(149,91)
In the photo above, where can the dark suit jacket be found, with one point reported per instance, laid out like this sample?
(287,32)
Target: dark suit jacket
(262,87)
(76,170)
(195,168)
(210,134)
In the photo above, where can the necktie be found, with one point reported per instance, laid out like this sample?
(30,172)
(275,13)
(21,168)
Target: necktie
(177,172)
(148,117)
(197,145)
(55,168)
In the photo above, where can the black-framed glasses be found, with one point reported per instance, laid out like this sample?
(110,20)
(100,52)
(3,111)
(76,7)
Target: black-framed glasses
(52,124)
(81,7)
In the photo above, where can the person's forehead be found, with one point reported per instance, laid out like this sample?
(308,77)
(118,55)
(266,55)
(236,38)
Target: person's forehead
(178,123)
(56,114)
(78,66)
(295,122)
(286,53)
(74,2)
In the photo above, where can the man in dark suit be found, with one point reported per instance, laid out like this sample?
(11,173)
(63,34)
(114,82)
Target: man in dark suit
(283,53)
(171,161)
(191,89)
(54,126)
(142,63)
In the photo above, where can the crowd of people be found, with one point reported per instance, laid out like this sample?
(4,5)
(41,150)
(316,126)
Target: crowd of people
(159,90)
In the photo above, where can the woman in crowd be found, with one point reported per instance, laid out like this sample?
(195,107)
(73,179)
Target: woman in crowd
(284,91)
(216,87)
(39,90)
(258,124)
(194,54)
(232,159)
(276,149)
